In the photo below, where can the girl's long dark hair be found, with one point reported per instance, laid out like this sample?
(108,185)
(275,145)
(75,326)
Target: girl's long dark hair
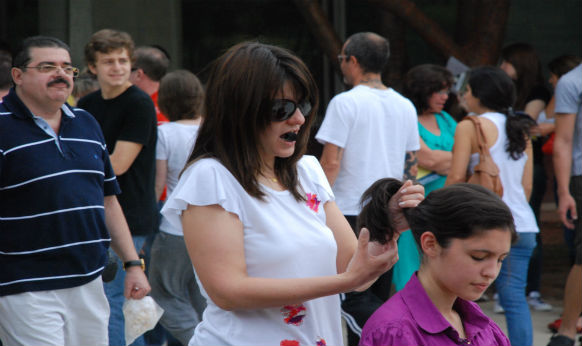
(239,98)
(527,65)
(495,90)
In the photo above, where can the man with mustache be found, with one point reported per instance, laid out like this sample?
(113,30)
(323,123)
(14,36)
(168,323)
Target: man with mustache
(58,208)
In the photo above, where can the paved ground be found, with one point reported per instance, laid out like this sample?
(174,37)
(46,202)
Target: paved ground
(554,272)
(540,320)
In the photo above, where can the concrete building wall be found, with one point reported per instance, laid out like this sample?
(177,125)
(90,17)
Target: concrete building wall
(147,21)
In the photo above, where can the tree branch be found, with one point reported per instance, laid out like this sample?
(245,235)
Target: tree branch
(428,29)
(321,28)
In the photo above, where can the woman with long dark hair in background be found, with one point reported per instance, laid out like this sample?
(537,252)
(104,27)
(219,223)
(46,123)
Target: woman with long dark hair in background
(490,95)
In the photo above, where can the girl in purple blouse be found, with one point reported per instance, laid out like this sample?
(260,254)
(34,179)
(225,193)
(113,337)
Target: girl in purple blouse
(464,232)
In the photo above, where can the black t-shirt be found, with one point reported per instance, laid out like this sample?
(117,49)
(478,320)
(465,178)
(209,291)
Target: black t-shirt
(131,117)
(539,92)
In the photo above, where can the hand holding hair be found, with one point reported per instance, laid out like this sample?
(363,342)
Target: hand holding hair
(371,260)
(384,206)
(408,196)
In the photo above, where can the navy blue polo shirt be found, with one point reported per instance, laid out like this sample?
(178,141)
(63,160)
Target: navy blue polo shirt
(52,187)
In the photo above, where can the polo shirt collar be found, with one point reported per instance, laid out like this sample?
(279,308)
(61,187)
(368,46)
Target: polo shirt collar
(14,104)
(427,316)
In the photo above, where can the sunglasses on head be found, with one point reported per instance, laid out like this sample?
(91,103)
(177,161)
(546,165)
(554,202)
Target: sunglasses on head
(283,109)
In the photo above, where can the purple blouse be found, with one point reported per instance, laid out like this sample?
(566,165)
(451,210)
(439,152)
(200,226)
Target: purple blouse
(410,318)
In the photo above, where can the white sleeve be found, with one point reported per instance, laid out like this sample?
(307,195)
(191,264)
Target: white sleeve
(567,100)
(161,144)
(206,182)
(413,135)
(337,123)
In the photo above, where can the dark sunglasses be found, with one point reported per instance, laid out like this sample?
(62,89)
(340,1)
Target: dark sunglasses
(283,109)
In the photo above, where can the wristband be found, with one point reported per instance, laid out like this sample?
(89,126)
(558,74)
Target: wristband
(134,263)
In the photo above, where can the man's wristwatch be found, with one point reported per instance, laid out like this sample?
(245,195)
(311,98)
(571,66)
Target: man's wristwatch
(134,263)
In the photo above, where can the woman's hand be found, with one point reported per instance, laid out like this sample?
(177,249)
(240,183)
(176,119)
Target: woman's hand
(408,196)
(371,260)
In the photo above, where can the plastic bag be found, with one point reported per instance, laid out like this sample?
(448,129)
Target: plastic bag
(140,315)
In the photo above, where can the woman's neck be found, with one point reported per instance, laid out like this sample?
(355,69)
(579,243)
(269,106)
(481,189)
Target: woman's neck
(268,171)
(268,177)
(427,112)
(482,110)
(442,299)
(189,121)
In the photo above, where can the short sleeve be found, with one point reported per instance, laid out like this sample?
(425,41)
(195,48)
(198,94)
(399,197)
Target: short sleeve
(539,92)
(567,100)
(337,123)
(139,121)
(206,182)
(162,144)
(413,143)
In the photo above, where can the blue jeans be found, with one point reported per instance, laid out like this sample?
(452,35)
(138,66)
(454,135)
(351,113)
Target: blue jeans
(510,285)
(114,293)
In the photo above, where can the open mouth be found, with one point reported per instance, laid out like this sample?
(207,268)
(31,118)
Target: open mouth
(289,137)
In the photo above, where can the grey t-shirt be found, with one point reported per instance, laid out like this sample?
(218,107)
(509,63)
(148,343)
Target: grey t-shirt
(568,101)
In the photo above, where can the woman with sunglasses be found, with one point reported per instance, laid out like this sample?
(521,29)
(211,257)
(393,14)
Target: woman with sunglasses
(268,244)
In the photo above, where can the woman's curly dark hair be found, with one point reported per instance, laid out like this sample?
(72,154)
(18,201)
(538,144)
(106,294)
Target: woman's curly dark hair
(424,80)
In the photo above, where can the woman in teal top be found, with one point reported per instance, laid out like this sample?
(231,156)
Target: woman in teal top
(427,86)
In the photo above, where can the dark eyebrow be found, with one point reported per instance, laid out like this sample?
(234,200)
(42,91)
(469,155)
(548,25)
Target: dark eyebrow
(487,252)
(53,63)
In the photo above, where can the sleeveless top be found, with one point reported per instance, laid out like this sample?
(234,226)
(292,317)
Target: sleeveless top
(444,141)
(511,173)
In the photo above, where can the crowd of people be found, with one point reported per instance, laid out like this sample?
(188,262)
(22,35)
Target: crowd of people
(126,180)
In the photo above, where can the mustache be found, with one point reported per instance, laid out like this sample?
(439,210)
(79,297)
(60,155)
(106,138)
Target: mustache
(59,80)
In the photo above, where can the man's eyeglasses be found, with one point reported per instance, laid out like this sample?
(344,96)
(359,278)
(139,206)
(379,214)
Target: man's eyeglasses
(283,109)
(48,68)
(444,92)
(341,58)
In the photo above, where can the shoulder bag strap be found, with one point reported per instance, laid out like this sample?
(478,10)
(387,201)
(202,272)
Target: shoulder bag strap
(481,141)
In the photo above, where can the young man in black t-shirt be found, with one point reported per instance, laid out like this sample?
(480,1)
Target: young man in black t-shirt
(128,119)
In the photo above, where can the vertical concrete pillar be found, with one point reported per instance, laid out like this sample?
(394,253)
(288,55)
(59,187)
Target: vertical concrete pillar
(80,23)
(52,18)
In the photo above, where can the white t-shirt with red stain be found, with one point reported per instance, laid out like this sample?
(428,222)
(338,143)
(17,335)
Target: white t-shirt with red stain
(283,238)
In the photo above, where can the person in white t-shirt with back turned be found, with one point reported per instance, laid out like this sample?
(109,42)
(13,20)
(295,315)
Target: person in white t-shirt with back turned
(369,132)
(174,286)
